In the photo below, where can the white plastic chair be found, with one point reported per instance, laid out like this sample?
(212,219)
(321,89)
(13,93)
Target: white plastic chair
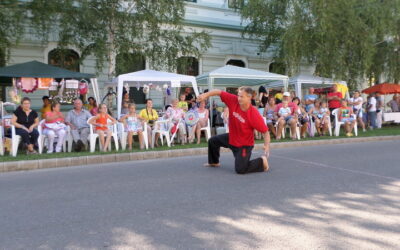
(314,129)
(287,126)
(207,129)
(123,135)
(339,123)
(42,138)
(93,136)
(162,127)
(15,140)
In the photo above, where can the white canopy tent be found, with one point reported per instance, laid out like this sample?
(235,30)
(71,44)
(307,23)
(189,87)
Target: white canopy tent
(153,77)
(232,76)
(303,80)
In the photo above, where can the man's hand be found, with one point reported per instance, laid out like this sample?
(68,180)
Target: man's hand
(202,97)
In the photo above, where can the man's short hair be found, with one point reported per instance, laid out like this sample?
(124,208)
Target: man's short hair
(45,98)
(246,89)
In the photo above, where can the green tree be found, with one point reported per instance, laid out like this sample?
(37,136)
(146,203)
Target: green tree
(11,28)
(345,39)
(107,28)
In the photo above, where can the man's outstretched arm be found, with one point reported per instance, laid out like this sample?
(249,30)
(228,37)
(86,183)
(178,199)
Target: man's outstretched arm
(203,97)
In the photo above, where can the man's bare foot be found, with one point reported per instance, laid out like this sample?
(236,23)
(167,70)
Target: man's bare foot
(265,163)
(212,165)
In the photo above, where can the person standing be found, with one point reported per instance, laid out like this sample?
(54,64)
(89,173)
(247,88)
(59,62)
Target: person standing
(372,111)
(356,103)
(334,99)
(310,99)
(243,120)
(379,109)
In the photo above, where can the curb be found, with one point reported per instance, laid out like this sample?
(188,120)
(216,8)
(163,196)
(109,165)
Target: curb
(124,157)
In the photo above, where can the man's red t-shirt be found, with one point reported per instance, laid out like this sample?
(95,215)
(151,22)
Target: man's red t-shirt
(242,123)
(334,104)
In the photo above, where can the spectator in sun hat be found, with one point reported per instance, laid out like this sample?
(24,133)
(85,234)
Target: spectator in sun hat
(292,122)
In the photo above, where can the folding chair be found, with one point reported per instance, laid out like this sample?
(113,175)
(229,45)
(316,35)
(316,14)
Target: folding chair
(339,123)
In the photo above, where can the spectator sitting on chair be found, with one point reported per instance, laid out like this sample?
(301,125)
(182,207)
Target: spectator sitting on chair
(346,116)
(101,124)
(269,115)
(284,112)
(302,117)
(177,115)
(394,103)
(53,126)
(77,120)
(46,106)
(150,116)
(26,121)
(320,115)
(133,124)
(292,122)
(202,122)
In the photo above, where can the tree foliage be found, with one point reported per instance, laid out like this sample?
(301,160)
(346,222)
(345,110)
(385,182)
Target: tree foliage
(107,28)
(345,39)
(11,15)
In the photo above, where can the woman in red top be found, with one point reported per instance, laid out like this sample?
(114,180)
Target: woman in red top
(243,120)
(54,126)
(101,123)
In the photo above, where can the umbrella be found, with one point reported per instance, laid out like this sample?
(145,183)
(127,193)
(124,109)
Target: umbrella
(383,88)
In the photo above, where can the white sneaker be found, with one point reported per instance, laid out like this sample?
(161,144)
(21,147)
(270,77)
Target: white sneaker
(49,151)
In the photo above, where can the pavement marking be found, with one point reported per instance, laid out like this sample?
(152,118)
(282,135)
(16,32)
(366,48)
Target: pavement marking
(337,168)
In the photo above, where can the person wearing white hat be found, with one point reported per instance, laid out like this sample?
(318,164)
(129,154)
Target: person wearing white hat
(292,122)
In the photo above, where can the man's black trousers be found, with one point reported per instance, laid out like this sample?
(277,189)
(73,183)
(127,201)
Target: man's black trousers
(242,155)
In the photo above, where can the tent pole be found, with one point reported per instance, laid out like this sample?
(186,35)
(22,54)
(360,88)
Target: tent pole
(119,95)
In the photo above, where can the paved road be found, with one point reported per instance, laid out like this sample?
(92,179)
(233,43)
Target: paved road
(314,197)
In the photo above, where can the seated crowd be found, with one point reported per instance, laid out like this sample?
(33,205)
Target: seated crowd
(78,121)
(315,115)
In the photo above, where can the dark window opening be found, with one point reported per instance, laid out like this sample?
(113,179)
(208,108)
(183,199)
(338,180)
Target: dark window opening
(188,66)
(278,68)
(64,58)
(238,63)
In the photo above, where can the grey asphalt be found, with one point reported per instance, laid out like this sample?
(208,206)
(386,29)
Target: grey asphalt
(316,197)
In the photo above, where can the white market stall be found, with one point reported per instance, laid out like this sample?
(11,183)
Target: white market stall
(233,76)
(155,78)
(302,81)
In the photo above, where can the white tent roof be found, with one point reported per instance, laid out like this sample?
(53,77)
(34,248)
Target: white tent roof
(237,76)
(150,76)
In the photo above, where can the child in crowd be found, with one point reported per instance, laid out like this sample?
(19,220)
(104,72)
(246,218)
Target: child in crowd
(133,124)
(182,103)
(323,113)
(284,112)
(346,116)
(101,123)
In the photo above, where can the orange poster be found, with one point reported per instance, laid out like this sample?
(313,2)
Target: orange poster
(45,83)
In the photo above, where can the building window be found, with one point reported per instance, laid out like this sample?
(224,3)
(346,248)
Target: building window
(238,63)
(278,68)
(132,62)
(64,58)
(188,66)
